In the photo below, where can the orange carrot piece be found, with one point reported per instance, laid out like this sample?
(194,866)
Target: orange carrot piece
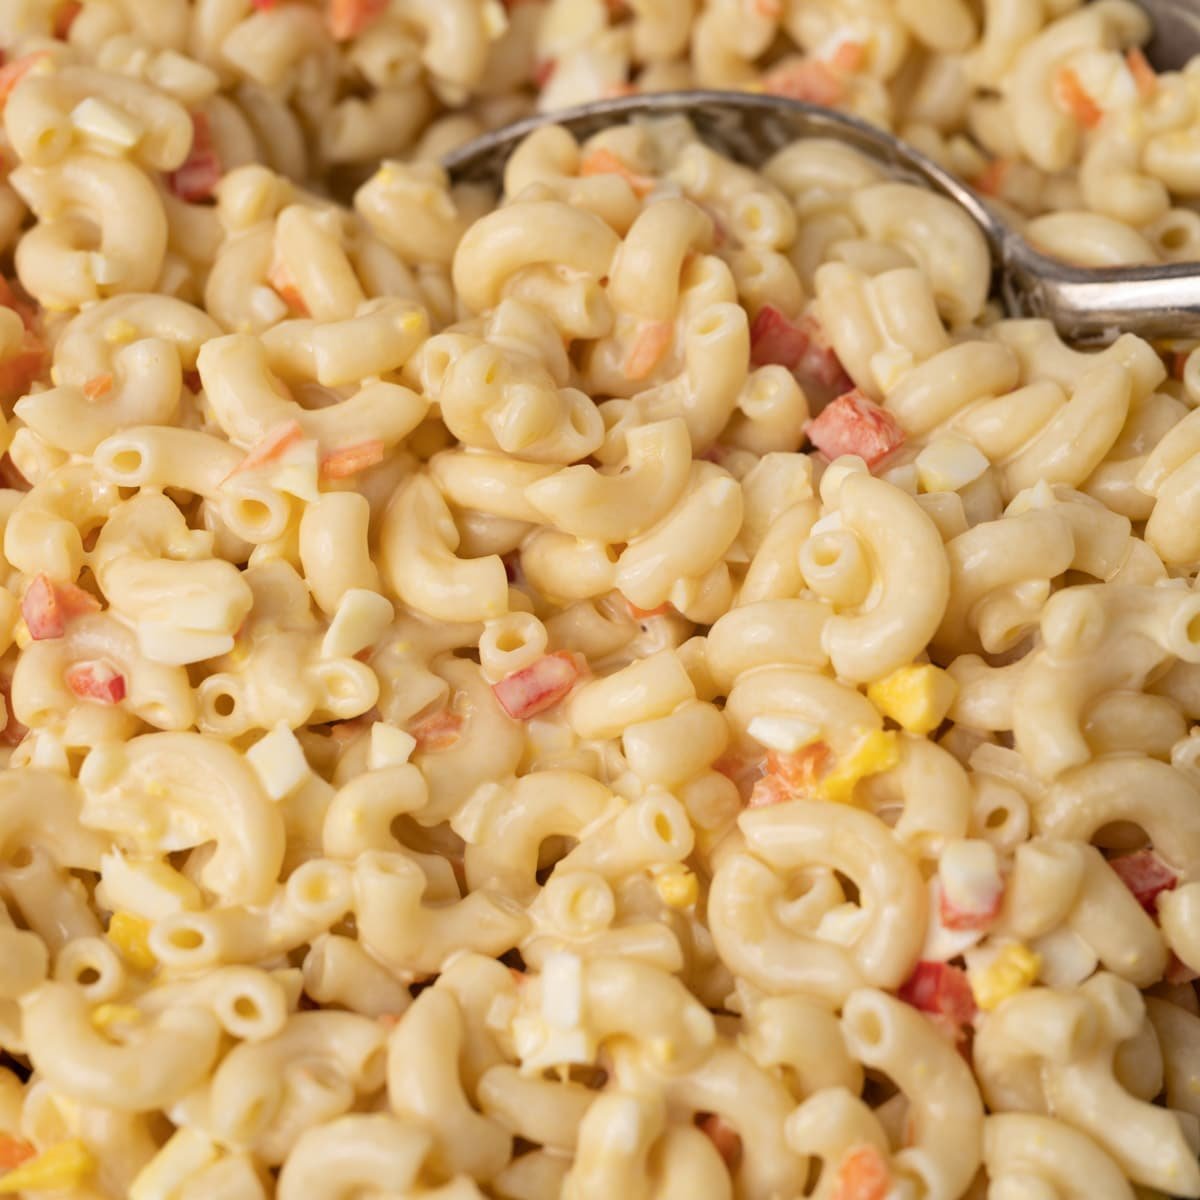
(280,278)
(270,447)
(1076,100)
(863,1175)
(605,162)
(98,386)
(651,343)
(351,459)
(1143,73)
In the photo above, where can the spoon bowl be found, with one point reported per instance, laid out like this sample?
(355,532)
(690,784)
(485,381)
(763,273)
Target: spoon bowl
(1085,304)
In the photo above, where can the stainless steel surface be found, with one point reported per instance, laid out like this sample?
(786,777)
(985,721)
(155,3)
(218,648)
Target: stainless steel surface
(1176,32)
(1085,304)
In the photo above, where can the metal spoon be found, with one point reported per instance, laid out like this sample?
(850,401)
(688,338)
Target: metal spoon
(1085,304)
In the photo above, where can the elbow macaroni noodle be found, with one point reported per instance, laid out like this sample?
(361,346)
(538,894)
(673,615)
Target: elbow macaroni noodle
(644,685)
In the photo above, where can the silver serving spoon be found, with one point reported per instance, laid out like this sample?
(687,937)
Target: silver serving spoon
(1085,304)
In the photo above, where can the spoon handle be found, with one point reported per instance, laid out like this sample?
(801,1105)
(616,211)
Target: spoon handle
(1095,305)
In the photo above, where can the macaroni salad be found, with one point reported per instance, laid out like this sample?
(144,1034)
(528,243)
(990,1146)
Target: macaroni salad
(646,686)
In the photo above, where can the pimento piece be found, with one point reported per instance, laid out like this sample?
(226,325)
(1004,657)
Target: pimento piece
(196,177)
(269,448)
(98,387)
(48,606)
(960,919)
(1146,876)
(341,464)
(724,1137)
(769,790)
(12,73)
(790,774)
(653,339)
(852,424)
(807,79)
(543,71)
(943,993)
(438,731)
(14,1151)
(264,5)
(820,365)
(537,687)
(96,681)
(348,18)
(605,162)
(862,1175)
(64,18)
(1143,73)
(799,770)
(776,340)
(1072,96)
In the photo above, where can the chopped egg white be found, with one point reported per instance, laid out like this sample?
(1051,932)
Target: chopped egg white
(162,642)
(105,122)
(562,990)
(149,888)
(389,746)
(970,873)
(783,733)
(361,619)
(942,944)
(949,463)
(278,760)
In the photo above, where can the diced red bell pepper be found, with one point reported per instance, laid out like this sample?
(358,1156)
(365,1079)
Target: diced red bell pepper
(1146,876)
(48,606)
(438,731)
(96,681)
(775,339)
(14,1151)
(198,175)
(961,919)
(943,992)
(537,687)
(852,424)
